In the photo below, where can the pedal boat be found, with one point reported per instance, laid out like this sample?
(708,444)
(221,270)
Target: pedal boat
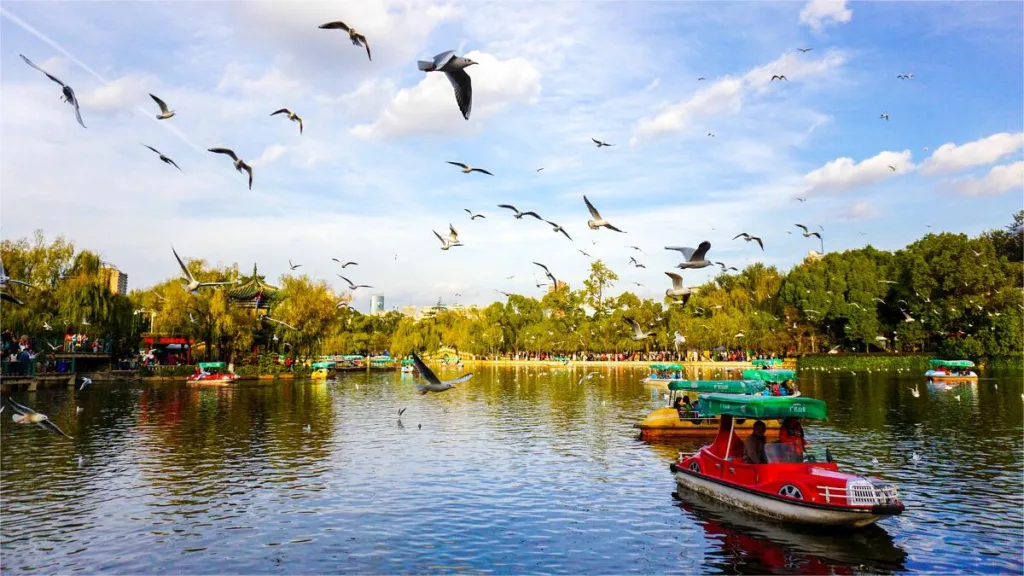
(667,421)
(323,370)
(767,363)
(795,485)
(664,373)
(212,374)
(951,371)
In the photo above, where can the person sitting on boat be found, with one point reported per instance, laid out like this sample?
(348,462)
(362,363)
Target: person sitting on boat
(753,447)
(784,389)
(678,405)
(688,407)
(792,432)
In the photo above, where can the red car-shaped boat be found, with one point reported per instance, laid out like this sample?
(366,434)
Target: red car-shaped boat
(794,482)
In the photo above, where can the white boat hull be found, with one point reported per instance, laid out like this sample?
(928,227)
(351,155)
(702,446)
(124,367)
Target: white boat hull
(775,508)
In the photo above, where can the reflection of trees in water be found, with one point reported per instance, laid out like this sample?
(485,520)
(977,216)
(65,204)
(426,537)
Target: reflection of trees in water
(750,544)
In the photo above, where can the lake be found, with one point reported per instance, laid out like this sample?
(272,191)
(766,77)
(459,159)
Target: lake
(518,470)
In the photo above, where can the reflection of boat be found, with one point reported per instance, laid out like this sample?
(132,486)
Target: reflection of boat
(212,374)
(953,371)
(796,483)
(408,367)
(664,373)
(322,370)
(669,421)
(754,545)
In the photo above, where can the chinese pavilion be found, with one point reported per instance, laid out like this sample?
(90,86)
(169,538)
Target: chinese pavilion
(253,292)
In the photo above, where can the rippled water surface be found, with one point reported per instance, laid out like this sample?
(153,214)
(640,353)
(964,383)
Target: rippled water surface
(518,470)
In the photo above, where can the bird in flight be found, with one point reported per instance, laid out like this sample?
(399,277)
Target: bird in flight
(467,169)
(558,228)
(519,215)
(677,291)
(750,238)
(352,286)
(276,321)
(905,76)
(346,264)
(597,221)
(165,159)
(85,382)
(548,273)
(451,240)
(805,50)
(25,415)
(240,165)
(473,216)
(779,77)
(802,199)
(69,94)
(694,258)
(164,112)
(193,285)
(638,333)
(292,266)
(434,384)
(891,167)
(712,134)
(356,38)
(291,116)
(883,116)
(454,68)
(600,143)
(701,79)
(635,264)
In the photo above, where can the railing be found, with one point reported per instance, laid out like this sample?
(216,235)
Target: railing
(864,494)
(72,345)
(36,366)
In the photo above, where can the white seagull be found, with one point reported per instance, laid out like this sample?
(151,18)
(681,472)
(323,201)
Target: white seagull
(356,38)
(597,222)
(473,216)
(26,415)
(677,290)
(164,112)
(638,333)
(454,68)
(694,258)
(434,384)
(519,215)
(193,285)
(466,169)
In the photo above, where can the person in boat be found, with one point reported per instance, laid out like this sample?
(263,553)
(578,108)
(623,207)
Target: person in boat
(784,389)
(678,405)
(753,447)
(792,432)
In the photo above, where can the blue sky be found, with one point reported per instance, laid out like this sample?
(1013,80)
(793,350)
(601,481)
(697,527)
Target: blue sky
(368,179)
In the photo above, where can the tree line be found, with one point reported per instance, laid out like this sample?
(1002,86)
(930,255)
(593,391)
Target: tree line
(945,294)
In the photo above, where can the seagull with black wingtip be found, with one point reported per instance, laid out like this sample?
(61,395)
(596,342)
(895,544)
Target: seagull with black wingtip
(694,258)
(597,221)
(557,228)
(165,113)
(193,285)
(434,384)
(750,238)
(601,144)
(68,93)
(240,165)
(356,38)
(466,169)
(164,159)
(454,67)
(473,216)
(25,415)
(519,215)
(291,116)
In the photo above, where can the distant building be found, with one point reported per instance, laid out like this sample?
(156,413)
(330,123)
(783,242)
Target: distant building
(409,310)
(377,304)
(115,280)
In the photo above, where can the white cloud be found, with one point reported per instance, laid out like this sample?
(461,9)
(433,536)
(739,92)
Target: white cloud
(952,158)
(430,107)
(120,94)
(1000,179)
(726,94)
(860,210)
(270,154)
(820,13)
(844,173)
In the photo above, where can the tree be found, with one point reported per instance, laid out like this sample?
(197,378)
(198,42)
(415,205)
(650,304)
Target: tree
(601,278)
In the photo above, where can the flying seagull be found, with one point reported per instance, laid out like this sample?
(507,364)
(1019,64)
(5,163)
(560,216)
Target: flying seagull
(276,321)
(473,216)
(905,76)
(434,384)
(883,116)
(346,264)
(600,143)
(805,50)
(802,199)
(165,159)
(446,243)
(352,286)
(750,238)
(519,215)
(164,112)
(597,222)
(292,266)
(779,77)
(454,68)
(26,415)
(558,228)
(467,169)
(69,94)
(694,258)
(453,235)
(291,116)
(634,263)
(356,38)
(85,382)
(240,165)
(677,290)
(193,285)
(891,167)
(638,333)
(548,273)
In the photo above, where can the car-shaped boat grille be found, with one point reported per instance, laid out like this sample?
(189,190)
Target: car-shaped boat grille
(864,492)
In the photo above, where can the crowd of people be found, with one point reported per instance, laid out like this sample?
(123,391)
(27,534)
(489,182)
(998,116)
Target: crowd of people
(655,356)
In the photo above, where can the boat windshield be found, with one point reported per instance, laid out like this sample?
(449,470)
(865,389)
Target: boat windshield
(787,453)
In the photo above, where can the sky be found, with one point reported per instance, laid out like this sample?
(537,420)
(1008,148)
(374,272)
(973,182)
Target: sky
(368,180)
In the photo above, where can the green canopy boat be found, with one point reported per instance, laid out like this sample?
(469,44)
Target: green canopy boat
(211,365)
(769,375)
(952,363)
(721,386)
(323,365)
(666,367)
(762,407)
(767,362)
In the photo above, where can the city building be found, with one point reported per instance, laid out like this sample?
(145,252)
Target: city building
(115,280)
(377,304)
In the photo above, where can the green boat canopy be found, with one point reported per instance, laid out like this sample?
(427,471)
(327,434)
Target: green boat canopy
(767,362)
(952,363)
(769,375)
(666,367)
(407,361)
(722,386)
(762,407)
(208,365)
(324,365)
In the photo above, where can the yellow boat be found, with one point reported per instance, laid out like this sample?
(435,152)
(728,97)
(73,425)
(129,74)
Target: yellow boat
(951,371)
(322,370)
(668,421)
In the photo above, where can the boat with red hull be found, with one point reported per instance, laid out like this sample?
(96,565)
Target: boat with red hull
(796,483)
(212,374)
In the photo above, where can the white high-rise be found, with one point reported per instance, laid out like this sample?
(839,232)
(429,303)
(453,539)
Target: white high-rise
(377,304)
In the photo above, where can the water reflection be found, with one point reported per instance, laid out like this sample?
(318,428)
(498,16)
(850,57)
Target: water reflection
(519,470)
